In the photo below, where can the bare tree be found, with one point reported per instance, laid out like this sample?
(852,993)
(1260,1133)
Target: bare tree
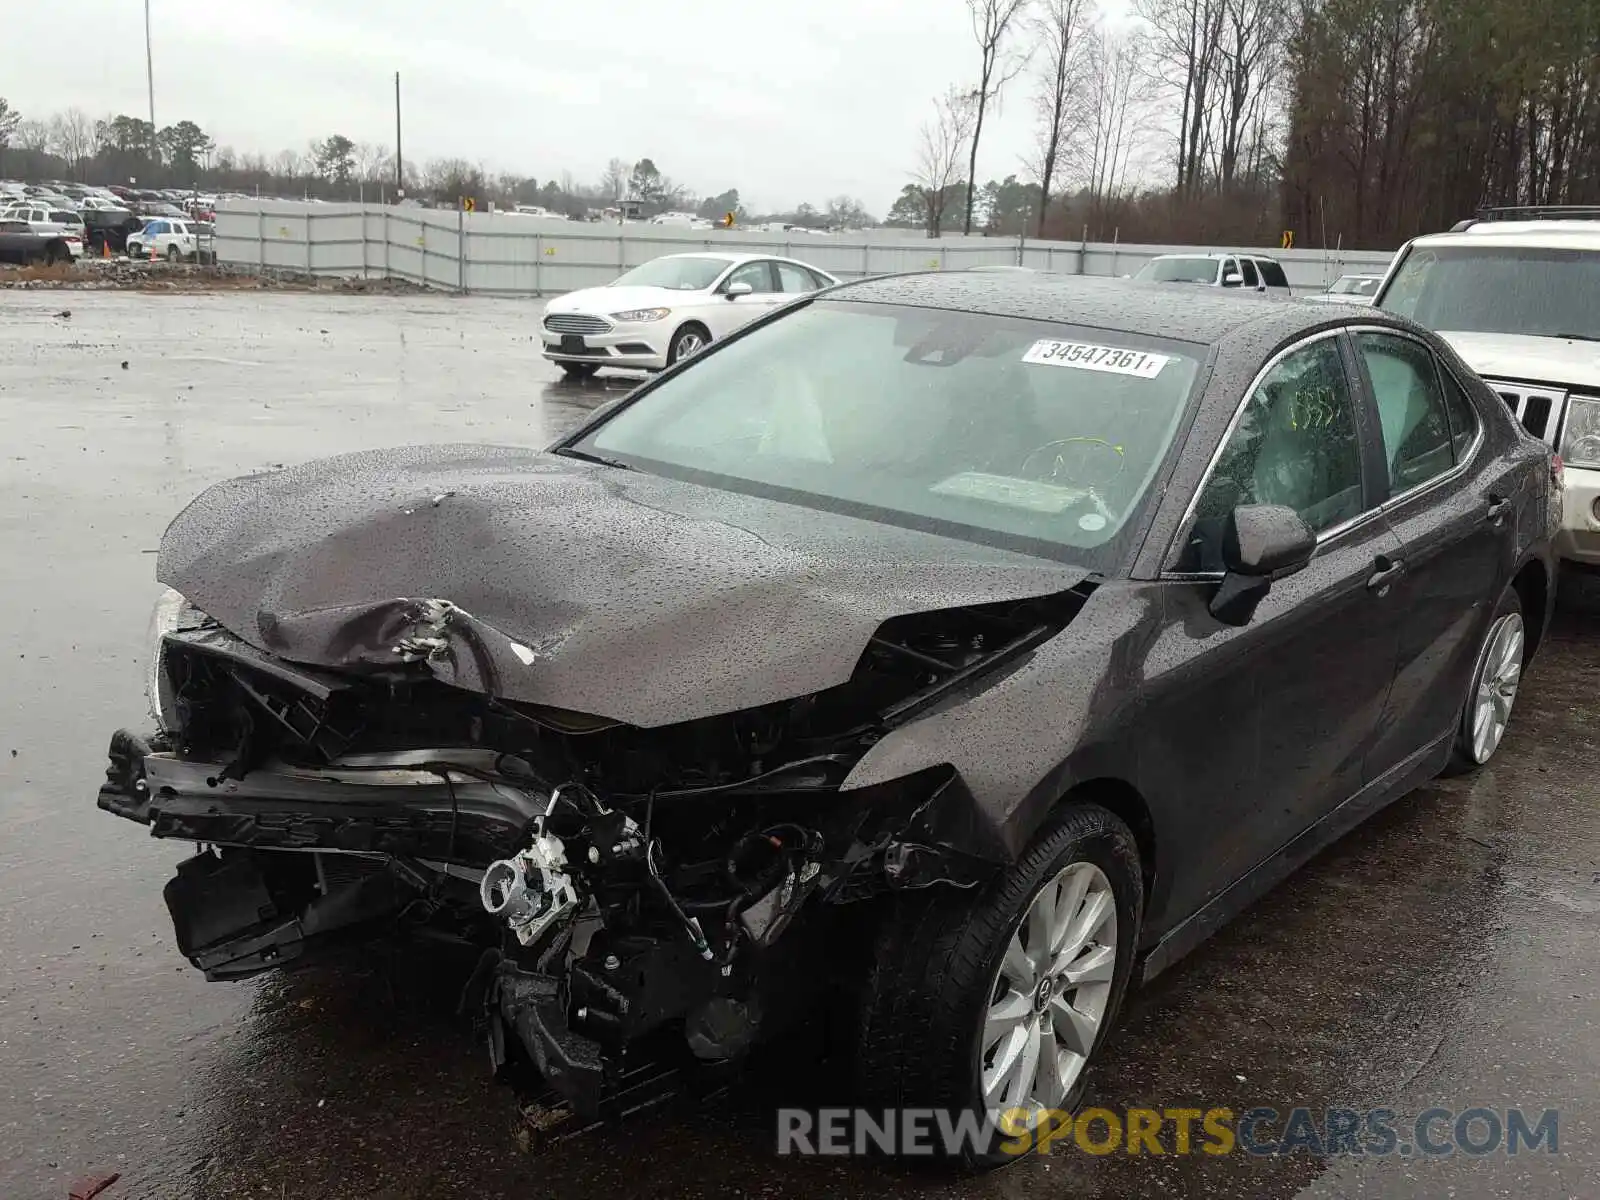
(992,21)
(945,138)
(1060,30)
(33,135)
(372,162)
(1247,53)
(1115,100)
(1186,37)
(614,183)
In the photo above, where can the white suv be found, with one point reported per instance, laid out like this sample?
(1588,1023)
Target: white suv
(165,237)
(1519,299)
(1248,272)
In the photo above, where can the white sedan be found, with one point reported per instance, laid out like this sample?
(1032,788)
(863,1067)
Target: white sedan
(669,308)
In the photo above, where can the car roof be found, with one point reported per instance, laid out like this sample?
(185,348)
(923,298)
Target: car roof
(1206,316)
(1216,254)
(1521,235)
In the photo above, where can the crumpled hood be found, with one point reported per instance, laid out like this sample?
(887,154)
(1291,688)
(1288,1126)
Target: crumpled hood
(619,594)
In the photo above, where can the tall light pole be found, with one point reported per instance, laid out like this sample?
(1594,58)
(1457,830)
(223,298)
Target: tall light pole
(399,160)
(150,80)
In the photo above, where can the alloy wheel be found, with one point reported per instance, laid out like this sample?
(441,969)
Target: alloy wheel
(1498,676)
(1050,994)
(689,342)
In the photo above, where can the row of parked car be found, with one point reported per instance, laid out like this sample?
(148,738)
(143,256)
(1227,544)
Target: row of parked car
(69,220)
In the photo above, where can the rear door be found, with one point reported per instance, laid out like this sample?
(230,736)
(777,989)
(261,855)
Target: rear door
(1452,506)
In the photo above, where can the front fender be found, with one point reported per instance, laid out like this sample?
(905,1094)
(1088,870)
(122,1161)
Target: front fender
(1018,742)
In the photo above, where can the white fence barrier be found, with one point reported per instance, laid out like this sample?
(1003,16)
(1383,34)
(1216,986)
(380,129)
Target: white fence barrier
(510,255)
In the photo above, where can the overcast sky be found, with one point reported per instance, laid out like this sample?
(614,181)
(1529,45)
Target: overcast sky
(784,102)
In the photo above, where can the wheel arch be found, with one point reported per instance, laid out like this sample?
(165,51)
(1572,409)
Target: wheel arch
(1127,804)
(1532,583)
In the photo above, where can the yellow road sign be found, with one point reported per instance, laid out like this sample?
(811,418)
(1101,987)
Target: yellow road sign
(1288,239)
(468,204)
(728,220)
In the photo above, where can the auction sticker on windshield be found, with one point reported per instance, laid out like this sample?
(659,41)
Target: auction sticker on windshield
(1095,358)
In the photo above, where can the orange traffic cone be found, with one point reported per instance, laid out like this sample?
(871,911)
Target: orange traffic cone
(105,248)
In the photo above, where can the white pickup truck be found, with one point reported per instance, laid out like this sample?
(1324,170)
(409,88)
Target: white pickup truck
(1517,293)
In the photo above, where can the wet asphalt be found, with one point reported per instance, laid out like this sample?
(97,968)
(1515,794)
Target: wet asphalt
(1446,954)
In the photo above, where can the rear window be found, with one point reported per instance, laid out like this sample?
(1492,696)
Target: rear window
(15,227)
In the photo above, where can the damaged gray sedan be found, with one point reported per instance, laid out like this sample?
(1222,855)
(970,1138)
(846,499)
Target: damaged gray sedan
(956,649)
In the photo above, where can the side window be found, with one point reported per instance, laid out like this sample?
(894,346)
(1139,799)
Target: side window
(1248,269)
(1411,409)
(794,279)
(1463,416)
(1230,266)
(1295,444)
(1272,274)
(155,228)
(757,274)
(819,281)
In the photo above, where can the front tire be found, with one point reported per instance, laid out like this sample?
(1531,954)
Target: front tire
(578,372)
(174,254)
(997,1000)
(687,342)
(1492,692)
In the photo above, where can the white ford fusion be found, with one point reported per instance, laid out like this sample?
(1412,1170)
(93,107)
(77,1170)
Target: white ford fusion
(669,308)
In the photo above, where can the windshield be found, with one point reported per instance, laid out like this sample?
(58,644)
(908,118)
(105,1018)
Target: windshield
(1499,289)
(679,274)
(1179,270)
(1018,433)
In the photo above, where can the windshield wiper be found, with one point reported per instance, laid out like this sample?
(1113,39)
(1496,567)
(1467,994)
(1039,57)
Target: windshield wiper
(1576,337)
(586,456)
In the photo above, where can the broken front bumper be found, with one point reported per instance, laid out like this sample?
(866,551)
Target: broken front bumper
(393,804)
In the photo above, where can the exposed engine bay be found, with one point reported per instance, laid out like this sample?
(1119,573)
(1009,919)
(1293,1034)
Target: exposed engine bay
(619,880)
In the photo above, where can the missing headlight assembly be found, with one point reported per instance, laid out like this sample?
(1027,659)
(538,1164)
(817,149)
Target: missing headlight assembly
(619,880)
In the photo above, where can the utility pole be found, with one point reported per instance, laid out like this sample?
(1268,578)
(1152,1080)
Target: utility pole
(150,83)
(399,161)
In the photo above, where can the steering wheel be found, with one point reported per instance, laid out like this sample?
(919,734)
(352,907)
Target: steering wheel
(1087,462)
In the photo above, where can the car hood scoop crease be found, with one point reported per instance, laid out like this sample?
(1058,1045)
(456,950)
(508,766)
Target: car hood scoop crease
(547,580)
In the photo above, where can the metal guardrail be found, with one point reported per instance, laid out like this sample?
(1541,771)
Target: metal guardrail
(511,255)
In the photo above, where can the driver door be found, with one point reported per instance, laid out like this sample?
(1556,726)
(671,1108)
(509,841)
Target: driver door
(728,313)
(1261,730)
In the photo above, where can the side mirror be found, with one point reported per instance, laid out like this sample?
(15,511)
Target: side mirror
(735,290)
(1232,279)
(1260,543)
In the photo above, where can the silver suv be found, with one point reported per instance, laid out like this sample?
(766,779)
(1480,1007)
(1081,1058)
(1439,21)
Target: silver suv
(1517,293)
(1250,272)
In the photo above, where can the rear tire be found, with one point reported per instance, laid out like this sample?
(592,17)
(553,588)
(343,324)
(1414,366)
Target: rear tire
(1492,691)
(578,372)
(951,966)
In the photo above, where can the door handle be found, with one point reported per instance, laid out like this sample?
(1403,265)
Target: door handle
(1388,570)
(1499,506)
